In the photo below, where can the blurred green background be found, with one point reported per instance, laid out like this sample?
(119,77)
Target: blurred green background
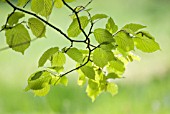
(145,90)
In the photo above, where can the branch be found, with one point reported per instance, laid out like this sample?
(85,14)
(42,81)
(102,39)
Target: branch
(49,24)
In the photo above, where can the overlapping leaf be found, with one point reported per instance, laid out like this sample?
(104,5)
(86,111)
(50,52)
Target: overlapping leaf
(14,18)
(75,54)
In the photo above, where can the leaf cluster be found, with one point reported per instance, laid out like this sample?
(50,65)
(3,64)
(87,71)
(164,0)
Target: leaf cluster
(107,49)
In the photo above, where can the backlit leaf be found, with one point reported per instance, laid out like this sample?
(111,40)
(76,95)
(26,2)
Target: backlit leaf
(58,59)
(47,54)
(99,16)
(64,80)
(42,92)
(37,27)
(75,54)
(82,80)
(133,27)
(111,26)
(102,35)
(100,57)
(37,6)
(14,18)
(112,88)
(22,2)
(88,71)
(58,3)
(18,38)
(74,28)
(145,43)
(124,41)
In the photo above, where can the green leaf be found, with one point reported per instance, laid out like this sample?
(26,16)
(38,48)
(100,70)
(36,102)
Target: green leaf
(116,66)
(111,26)
(37,27)
(42,92)
(82,80)
(37,6)
(100,57)
(113,75)
(75,54)
(22,2)
(124,41)
(14,18)
(47,54)
(64,80)
(38,80)
(112,88)
(18,38)
(145,43)
(74,28)
(88,71)
(58,59)
(92,89)
(42,7)
(98,17)
(69,0)
(102,35)
(58,3)
(133,27)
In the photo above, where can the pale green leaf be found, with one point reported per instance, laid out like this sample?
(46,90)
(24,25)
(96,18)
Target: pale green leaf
(88,71)
(92,89)
(133,27)
(69,0)
(112,88)
(64,80)
(37,27)
(38,80)
(74,28)
(42,92)
(113,75)
(98,17)
(145,43)
(75,54)
(37,6)
(100,57)
(102,35)
(22,2)
(58,59)
(47,54)
(14,18)
(111,26)
(18,38)
(116,66)
(42,7)
(82,80)
(124,41)
(58,3)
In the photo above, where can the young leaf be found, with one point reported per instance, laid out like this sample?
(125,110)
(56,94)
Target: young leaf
(98,16)
(145,43)
(74,28)
(64,80)
(38,80)
(42,92)
(69,0)
(42,7)
(58,59)
(111,26)
(124,41)
(92,89)
(88,71)
(22,2)
(100,57)
(116,66)
(133,27)
(18,38)
(14,18)
(82,80)
(112,88)
(58,3)
(47,54)
(37,6)
(75,54)
(37,27)
(112,75)
(102,35)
